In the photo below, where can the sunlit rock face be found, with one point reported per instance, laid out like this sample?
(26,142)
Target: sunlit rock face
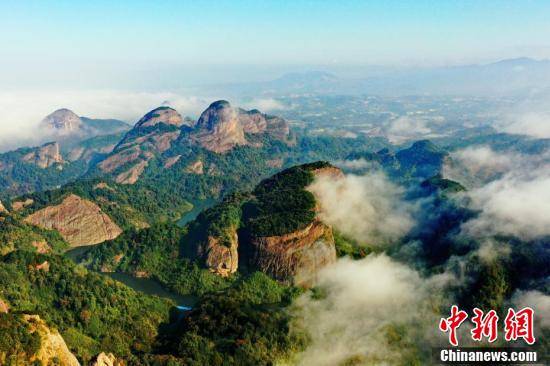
(218,128)
(297,256)
(79,221)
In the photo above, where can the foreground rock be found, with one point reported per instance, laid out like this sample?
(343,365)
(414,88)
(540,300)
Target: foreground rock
(104,359)
(79,221)
(53,350)
(222,258)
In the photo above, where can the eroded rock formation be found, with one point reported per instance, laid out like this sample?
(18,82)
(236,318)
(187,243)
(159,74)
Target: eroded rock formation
(165,115)
(53,350)
(45,155)
(297,256)
(222,258)
(79,221)
(106,359)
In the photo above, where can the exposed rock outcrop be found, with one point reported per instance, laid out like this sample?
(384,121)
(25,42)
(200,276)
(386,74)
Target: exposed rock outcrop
(169,162)
(218,128)
(4,307)
(45,155)
(106,359)
(222,258)
(2,208)
(62,121)
(222,127)
(197,167)
(165,115)
(297,256)
(53,350)
(19,205)
(79,221)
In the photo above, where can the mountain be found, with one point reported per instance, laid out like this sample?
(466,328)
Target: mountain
(162,132)
(272,229)
(422,160)
(505,78)
(64,123)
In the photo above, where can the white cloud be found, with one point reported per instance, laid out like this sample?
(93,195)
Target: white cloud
(536,300)
(365,300)
(356,165)
(516,204)
(531,123)
(264,104)
(366,208)
(407,128)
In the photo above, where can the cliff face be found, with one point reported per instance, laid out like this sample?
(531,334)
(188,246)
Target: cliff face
(53,350)
(296,256)
(45,155)
(79,221)
(222,259)
(219,129)
(222,127)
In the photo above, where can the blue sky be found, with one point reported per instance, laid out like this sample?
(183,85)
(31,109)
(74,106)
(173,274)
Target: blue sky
(109,37)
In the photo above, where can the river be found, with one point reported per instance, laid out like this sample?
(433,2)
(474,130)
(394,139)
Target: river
(146,285)
(198,207)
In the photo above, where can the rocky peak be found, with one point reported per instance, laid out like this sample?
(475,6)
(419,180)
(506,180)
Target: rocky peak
(63,120)
(219,112)
(218,128)
(158,115)
(45,155)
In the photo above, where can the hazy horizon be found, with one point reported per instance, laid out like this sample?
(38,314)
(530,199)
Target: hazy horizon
(168,44)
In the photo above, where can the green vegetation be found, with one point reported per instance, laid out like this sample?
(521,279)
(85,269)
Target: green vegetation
(19,177)
(130,206)
(218,221)
(281,203)
(349,247)
(95,312)
(155,251)
(16,339)
(15,234)
(244,325)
